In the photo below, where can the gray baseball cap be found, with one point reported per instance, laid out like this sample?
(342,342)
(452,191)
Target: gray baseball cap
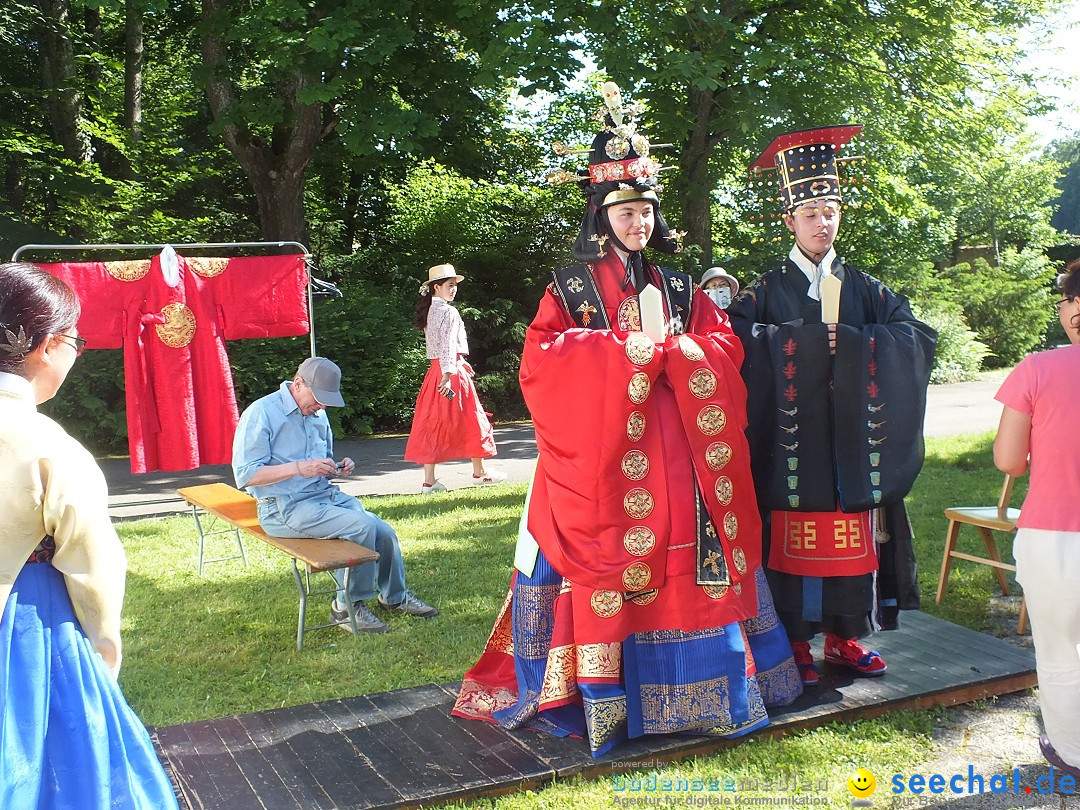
(323,377)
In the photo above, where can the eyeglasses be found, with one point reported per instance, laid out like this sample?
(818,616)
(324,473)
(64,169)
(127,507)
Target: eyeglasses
(80,343)
(1057,304)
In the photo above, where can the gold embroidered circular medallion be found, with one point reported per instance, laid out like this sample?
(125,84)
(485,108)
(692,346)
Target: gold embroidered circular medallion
(731,526)
(703,383)
(635,465)
(639,540)
(207,267)
(629,315)
(715,591)
(711,420)
(179,326)
(738,588)
(738,556)
(635,426)
(690,349)
(645,598)
(639,388)
(606,604)
(128,270)
(717,455)
(638,503)
(640,348)
(636,577)
(724,490)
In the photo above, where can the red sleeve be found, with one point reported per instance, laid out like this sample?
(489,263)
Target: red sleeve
(260,296)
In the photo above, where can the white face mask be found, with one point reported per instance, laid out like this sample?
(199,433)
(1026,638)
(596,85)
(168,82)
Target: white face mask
(721,296)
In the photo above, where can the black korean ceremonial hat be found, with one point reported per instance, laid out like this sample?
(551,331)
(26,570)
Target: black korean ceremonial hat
(620,170)
(806,163)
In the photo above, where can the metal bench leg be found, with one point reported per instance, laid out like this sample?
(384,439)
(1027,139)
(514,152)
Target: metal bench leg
(303,605)
(203,534)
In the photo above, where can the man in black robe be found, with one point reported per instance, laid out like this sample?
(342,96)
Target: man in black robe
(836,415)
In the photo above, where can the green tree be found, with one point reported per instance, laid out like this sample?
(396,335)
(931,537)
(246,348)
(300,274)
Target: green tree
(720,77)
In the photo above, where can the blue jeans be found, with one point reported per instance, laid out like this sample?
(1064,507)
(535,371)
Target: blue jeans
(339,515)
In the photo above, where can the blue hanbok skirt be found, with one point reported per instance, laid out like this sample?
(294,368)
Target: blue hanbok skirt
(68,739)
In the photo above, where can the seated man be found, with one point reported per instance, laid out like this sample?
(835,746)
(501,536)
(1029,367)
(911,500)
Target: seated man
(283,456)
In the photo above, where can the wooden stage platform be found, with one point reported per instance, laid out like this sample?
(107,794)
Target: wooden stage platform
(402,749)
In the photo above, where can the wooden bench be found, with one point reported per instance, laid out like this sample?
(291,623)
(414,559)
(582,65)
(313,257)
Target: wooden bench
(237,509)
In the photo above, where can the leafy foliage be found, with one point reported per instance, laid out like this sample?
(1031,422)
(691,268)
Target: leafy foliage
(959,354)
(1009,306)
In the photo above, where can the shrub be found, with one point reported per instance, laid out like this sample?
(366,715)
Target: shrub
(959,353)
(1008,306)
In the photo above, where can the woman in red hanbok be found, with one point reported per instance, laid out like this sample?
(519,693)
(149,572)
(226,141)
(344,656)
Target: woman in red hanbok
(638,605)
(449,421)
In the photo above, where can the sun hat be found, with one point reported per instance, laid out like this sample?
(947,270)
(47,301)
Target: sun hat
(720,272)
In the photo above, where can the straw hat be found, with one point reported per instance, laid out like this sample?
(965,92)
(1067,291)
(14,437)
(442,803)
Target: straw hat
(440,272)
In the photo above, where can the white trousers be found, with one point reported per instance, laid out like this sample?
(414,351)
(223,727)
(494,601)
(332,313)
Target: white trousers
(1048,569)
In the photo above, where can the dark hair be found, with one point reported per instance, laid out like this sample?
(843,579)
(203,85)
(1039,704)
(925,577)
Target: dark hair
(1069,282)
(32,303)
(424,304)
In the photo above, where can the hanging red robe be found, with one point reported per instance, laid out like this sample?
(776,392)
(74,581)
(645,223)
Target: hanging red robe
(181,406)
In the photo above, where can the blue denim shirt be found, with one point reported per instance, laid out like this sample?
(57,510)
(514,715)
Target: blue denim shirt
(272,430)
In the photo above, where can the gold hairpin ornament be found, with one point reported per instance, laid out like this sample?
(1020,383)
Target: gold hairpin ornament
(562,176)
(560,148)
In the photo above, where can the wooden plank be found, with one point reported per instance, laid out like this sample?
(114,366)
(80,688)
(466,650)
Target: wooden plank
(494,748)
(265,782)
(417,777)
(285,762)
(334,764)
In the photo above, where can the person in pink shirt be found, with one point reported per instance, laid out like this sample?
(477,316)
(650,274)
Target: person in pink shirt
(1038,432)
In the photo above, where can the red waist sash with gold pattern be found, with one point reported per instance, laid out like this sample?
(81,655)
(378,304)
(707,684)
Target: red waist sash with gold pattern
(822,544)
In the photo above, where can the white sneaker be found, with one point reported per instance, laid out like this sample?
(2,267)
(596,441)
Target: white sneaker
(490,477)
(431,489)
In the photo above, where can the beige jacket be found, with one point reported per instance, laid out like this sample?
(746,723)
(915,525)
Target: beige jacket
(50,485)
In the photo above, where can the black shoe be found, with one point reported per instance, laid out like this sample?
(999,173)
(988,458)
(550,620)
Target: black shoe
(1054,758)
(366,621)
(412,606)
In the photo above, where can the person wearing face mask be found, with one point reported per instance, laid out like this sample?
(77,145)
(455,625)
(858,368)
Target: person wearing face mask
(638,577)
(720,286)
(837,393)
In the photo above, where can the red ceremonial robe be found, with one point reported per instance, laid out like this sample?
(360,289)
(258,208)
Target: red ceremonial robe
(181,407)
(623,427)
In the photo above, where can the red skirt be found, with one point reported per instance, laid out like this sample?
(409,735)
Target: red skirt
(448,429)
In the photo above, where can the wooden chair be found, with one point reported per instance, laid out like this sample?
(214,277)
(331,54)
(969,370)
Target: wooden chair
(987,519)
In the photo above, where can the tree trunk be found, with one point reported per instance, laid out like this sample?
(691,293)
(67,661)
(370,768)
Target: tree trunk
(275,170)
(65,100)
(697,176)
(133,68)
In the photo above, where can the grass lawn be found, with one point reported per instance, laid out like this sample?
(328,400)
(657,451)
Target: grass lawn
(198,648)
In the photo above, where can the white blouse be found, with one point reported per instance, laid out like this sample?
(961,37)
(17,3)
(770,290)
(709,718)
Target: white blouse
(445,335)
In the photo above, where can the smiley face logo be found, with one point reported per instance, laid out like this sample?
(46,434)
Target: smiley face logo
(861,783)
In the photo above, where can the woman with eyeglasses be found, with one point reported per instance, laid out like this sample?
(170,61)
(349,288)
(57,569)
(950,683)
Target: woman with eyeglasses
(1038,432)
(67,736)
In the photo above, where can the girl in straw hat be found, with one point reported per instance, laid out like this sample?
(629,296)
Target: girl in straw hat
(449,421)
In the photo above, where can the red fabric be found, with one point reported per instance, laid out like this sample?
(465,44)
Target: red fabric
(447,429)
(181,407)
(575,382)
(822,544)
